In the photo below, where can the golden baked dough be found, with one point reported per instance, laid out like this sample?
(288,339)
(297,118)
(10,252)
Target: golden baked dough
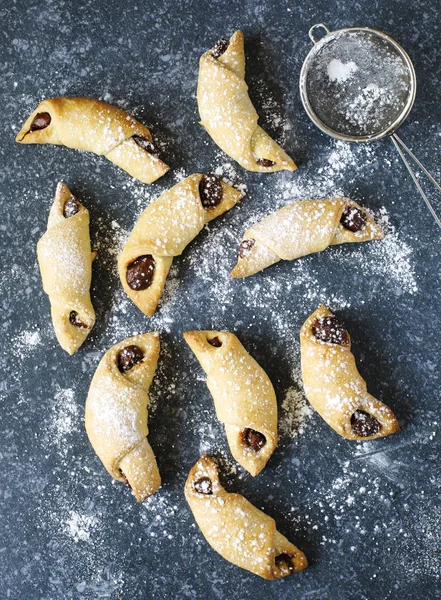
(243,396)
(95,126)
(333,384)
(228,114)
(164,229)
(240,532)
(117,412)
(65,261)
(302,228)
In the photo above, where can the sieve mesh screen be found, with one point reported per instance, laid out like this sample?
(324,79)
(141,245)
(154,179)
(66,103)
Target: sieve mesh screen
(357,83)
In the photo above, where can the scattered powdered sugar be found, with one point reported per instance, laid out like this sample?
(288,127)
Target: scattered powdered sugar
(349,498)
(79,527)
(389,259)
(210,431)
(159,515)
(103,584)
(272,113)
(340,71)
(210,260)
(425,549)
(228,172)
(295,413)
(179,175)
(207,263)
(64,419)
(110,240)
(76,533)
(26,342)
(369,105)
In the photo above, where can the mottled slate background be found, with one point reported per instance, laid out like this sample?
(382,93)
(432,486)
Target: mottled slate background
(367,515)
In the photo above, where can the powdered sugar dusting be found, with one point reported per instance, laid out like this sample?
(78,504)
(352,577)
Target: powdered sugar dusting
(340,71)
(391,258)
(26,342)
(295,413)
(160,515)
(79,527)
(364,108)
(64,419)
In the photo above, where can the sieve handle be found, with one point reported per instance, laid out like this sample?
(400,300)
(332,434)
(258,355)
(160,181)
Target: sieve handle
(318,26)
(402,149)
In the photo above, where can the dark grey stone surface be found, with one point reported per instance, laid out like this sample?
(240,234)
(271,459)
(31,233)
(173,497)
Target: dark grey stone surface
(366,515)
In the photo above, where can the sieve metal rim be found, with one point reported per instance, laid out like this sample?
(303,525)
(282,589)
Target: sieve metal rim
(305,69)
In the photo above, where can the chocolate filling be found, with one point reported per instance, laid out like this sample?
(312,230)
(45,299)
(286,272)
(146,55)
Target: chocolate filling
(145,144)
(219,48)
(265,162)
(331,330)
(75,320)
(128,357)
(215,342)
(139,275)
(41,121)
(364,424)
(210,191)
(126,481)
(253,439)
(203,486)
(353,218)
(245,247)
(284,562)
(71,207)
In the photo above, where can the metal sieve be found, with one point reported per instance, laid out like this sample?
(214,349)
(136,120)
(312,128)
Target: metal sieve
(357,84)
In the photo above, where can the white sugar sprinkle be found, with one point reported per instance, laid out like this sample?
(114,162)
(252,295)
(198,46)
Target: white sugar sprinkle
(79,527)
(340,71)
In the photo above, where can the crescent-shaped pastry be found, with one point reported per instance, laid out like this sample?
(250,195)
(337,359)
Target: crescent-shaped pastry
(117,412)
(333,384)
(302,228)
(95,126)
(237,530)
(228,114)
(164,229)
(65,261)
(243,396)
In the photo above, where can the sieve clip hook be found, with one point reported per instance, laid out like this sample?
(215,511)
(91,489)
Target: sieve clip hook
(402,149)
(318,26)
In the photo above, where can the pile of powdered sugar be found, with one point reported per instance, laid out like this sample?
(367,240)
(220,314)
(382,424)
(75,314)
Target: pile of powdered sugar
(339,71)
(26,342)
(79,526)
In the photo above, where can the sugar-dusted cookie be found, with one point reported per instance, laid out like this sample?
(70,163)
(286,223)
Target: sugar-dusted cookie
(240,532)
(95,126)
(65,261)
(243,396)
(333,385)
(117,412)
(302,228)
(164,229)
(228,114)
